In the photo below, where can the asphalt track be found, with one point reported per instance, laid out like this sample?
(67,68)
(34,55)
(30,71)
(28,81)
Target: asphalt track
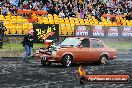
(15,74)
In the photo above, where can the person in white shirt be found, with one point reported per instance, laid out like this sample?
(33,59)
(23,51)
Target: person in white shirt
(61,14)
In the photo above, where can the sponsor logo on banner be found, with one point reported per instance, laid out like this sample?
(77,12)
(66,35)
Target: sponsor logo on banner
(113,32)
(102,78)
(98,31)
(43,32)
(81,31)
(127,32)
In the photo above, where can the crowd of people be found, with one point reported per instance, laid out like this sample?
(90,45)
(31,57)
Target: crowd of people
(71,8)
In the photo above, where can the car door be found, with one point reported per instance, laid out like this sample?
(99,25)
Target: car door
(82,52)
(97,49)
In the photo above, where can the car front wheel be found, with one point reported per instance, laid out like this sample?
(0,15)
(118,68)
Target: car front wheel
(67,61)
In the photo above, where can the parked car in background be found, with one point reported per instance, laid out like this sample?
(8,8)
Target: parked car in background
(76,50)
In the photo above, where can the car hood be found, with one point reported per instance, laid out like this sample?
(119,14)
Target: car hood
(59,46)
(53,48)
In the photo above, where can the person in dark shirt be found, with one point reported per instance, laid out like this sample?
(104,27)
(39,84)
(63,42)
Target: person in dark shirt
(13,10)
(28,45)
(2,29)
(72,14)
(129,17)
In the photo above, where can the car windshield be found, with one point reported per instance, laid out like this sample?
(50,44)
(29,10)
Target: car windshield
(71,42)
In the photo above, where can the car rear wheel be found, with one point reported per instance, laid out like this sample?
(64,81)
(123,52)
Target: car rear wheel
(45,63)
(103,60)
(67,61)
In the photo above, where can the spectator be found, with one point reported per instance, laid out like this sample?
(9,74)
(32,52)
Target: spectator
(54,10)
(45,8)
(118,11)
(28,44)
(5,10)
(129,17)
(108,11)
(21,7)
(44,1)
(13,10)
(36,8)
(0,9)
(81,13)
(35,4)
(72,14)
(70,7)
(102,9)
(61,14)
(67,13)
(40,5)
(98,15)
(25,5)
(30,5)
(2,29)
(93,12)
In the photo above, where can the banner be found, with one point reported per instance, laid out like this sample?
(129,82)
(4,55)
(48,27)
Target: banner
(127,31)
(98,31)
(82,31)
(113,32)
(103,31)
(45,31)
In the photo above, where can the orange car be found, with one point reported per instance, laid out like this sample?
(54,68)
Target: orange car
(76,50)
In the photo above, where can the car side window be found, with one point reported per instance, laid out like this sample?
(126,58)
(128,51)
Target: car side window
(96,44)
(85,43)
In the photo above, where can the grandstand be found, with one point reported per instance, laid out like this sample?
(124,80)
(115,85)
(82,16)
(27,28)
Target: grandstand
(20,24)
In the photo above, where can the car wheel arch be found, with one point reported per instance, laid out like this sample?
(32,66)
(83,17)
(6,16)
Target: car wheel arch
(105,54)
(68,53)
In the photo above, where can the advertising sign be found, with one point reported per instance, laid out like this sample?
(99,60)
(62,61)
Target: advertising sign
(103,31)
(45,31)
(98,31)
(82,31)
(113,32)
(127,32)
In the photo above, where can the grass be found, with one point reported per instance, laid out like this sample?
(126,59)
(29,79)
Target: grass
(19,47)
(120,45)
